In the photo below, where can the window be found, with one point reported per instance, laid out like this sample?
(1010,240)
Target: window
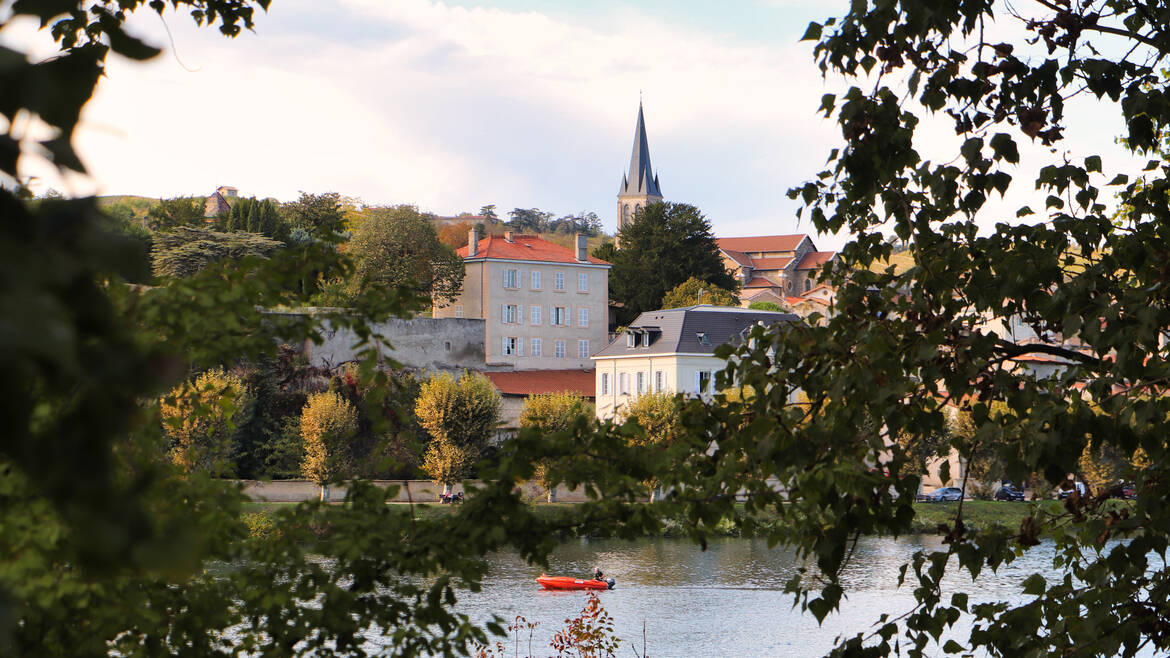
(511,278)
(703,339)
(560,316)
(536,347)
(658,380)
(623,384)
(582,317)
(534,315)
(510,346)
(559,281)
(511,313)
(631,339)
(646,339)
(447,345)
(459,310)
(583,282)
(702,381)
(605,383)
(559,349)
(582,349)
(640,378)
(535,279)
(807,285)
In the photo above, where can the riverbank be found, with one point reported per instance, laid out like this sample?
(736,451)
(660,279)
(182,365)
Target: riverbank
(977,515)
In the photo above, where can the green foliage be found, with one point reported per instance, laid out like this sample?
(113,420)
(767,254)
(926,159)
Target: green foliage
(320,215)
(534,220)
(666,244)
(251,215)
(328,423)
(185,251)
(764,306)
(184,211)
(694,291)
(398,246)
(201,418)
(461,416)
(606,251)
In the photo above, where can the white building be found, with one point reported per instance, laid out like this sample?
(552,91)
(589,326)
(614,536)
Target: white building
(545,306)
(671,350)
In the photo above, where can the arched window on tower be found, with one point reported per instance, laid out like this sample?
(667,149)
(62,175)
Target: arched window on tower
(625,213)
(807,285)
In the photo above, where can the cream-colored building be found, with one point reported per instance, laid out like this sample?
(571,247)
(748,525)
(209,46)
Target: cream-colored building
(545,306)
(671,350)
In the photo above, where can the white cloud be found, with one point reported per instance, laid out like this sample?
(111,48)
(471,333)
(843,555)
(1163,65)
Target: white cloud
(451,108)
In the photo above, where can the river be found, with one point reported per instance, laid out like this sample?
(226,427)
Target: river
(726,601)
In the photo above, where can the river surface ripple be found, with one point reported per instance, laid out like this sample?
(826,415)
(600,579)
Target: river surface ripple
(726,601)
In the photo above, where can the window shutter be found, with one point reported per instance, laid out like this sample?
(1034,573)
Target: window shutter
(504,345)
(519,314)
(697,382)
(519,347)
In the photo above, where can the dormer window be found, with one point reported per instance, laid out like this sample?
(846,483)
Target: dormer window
(631,339)
(646,339)
(703,339)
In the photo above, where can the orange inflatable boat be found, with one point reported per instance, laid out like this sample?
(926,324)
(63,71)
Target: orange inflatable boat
(568,582)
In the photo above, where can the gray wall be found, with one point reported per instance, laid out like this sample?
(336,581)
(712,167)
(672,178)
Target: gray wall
(427,344)
(419,491)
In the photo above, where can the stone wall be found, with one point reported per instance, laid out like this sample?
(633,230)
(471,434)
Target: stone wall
(423,344)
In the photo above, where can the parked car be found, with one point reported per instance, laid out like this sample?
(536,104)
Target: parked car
(945,494)
(1009,492)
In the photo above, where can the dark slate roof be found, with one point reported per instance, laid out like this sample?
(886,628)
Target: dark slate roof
(641,178)
(678,329)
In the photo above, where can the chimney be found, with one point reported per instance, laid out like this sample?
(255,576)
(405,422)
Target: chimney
(472,243)
(508,236)
(582,242)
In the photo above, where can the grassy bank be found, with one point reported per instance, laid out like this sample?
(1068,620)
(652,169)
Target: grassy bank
(977,515)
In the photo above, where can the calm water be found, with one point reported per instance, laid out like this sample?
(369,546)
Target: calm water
(726,601)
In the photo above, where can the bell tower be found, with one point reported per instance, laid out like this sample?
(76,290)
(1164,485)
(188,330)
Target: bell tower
(639,184)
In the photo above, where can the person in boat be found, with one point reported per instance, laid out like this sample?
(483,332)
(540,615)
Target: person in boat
(597,575)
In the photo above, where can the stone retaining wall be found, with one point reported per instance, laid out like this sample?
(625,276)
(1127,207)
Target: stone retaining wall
(419,491)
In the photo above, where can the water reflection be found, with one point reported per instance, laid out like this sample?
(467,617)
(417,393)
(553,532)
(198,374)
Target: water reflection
(728,600)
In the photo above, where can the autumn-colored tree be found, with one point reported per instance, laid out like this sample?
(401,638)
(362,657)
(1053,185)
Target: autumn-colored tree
(398,246)
(696,291)
(201,416)
(455,235)
(328,423)
(657,415)
(553,412)
(461,416)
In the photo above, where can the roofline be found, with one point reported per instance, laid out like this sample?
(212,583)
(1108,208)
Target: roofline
(484,259)
(655,354)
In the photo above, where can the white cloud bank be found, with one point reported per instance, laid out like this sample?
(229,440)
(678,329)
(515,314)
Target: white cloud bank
(414,101)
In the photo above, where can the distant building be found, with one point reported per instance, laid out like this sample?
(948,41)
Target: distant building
(640,184)
(515,387)
(778,266)
(545,306)
(671,350)
(219,203)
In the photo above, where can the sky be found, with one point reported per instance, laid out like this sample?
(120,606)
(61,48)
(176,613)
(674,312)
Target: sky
(453,105)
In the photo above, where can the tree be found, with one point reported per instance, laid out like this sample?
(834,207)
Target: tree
(606,251)
(488,213)
(693,291)
(398,246)
(658,417)
(455,235)
(461,416)
(328,423)
(256,216)
(185,251)
(553,412)
(320,215)
(175,213)
(201,419)
(666,244)
(532,220)
(765,306)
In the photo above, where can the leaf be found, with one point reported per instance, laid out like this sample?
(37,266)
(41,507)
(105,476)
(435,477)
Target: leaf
(1119,179)
(813,33)
(1034,585)
(1093,163)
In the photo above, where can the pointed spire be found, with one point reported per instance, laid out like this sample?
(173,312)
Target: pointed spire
(641,178)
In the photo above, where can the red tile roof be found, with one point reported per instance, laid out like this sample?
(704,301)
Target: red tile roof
(743,259)
(760,282)
(525,247)
(815,259)
(533,382)
(770,263)
(761,243)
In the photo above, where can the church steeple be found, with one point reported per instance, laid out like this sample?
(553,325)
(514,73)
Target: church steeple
(639,184)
